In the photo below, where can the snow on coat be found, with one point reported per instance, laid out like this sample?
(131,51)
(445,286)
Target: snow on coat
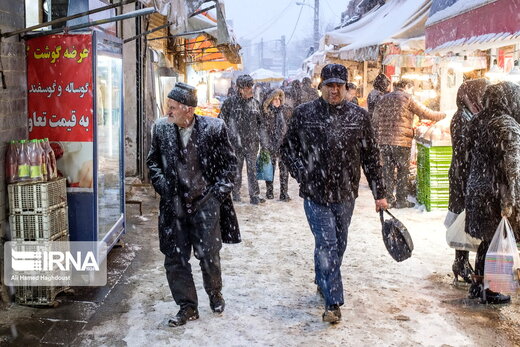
(493,181)
(324,148)
(242,117)
(393,118)
(469,100)
(218,164)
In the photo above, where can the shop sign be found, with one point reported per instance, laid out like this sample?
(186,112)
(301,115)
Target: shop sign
(59,87)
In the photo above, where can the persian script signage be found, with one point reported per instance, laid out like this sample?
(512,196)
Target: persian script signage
(59,87)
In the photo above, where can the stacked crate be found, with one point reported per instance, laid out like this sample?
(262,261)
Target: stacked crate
(38,212)
(433,165)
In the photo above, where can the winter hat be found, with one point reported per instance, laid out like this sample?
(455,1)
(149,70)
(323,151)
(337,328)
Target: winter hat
(334,73)
(184,93)
(245,81)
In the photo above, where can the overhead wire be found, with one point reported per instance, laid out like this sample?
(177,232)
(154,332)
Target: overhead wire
(295,25)
(264,27)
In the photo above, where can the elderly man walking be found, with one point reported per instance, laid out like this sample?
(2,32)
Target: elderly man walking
(192,167)
(327,142)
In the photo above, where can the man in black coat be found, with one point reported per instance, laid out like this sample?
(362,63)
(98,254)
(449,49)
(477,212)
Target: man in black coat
(192,167)
(327,141)
(241,113)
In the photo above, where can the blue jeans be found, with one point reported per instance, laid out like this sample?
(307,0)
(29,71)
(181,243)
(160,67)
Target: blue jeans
(329,225)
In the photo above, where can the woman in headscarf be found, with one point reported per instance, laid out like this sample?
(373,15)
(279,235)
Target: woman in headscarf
(469,103)
(273,128)
(493,181)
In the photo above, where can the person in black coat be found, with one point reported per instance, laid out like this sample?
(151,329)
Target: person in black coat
(493,179)
(327,142)
(192,167)
(241,113)
(275,117)
(469,103)
(381,87)
(352,93)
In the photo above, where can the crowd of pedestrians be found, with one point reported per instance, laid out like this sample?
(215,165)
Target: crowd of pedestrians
(324,139)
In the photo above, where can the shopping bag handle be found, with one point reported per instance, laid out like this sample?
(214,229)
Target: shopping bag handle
(381,215)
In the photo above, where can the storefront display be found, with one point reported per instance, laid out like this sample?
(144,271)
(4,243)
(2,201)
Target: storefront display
(75,100)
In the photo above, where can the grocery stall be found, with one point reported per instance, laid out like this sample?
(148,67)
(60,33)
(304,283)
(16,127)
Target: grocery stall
(433,153)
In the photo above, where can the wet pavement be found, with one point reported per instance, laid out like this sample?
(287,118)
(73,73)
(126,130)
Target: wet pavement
(75,308)
(130,310)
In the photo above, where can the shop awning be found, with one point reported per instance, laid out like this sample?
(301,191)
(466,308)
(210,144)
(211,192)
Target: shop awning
(204,54)
(210,43)
(395,22)
(466,25)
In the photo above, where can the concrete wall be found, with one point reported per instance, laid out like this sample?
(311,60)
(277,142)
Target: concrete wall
(13,99)
(130,105)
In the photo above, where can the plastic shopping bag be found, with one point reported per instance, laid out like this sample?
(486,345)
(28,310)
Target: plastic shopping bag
(457,238)
(264,167)
(502,261)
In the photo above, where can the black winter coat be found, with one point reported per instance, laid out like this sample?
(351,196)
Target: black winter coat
(469,101)
(242,117)
(493,181)
(218,164)
(324,148)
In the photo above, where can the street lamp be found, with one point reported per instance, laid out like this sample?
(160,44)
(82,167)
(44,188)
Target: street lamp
(316,9)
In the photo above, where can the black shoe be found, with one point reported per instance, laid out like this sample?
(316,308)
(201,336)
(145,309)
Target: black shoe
(462,268)
(257,200)
(487,296)
(185,314)
(285,197)
(475,291)
(404,204)
(269,195)
(332,314)
(494,298)
(217,303)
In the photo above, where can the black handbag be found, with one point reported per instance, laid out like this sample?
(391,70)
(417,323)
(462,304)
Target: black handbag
(396,238)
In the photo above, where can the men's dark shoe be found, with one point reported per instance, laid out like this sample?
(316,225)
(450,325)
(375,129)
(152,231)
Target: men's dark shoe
(257,200)
(332,314)
(404,204)
(269,195)
(285,197)
(217,303)
(185,314)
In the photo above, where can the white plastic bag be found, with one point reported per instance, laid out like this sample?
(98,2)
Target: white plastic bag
(502,261)
(457,238)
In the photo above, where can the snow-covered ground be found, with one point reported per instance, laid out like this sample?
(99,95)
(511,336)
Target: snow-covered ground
(271,299)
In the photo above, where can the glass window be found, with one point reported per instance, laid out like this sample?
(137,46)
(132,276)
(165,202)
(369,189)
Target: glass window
(108,107)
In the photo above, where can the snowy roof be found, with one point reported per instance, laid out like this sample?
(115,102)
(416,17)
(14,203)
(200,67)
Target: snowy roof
(454,9)
(481,42)
(396,21)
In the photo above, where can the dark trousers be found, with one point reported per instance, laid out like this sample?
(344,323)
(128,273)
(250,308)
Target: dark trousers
(250,159)
(396,158)
(284,176)
(329,225)
(201,232)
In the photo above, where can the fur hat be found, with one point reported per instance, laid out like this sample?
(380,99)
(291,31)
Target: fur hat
(184,93)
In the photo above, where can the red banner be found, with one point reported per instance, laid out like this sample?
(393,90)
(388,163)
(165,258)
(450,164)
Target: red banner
(59,87)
